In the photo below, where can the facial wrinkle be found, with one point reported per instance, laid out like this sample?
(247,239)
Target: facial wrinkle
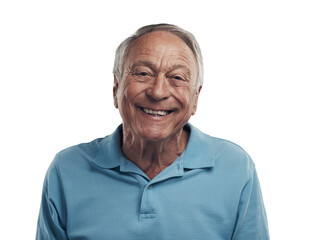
(152,157)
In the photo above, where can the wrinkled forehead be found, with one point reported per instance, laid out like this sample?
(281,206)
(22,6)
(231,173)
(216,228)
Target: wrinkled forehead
(158,44)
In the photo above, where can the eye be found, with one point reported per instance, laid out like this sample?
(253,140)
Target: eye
(140,73)
(143,74)
(177,78)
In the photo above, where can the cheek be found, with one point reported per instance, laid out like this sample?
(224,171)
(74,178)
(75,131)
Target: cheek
(185,97)
(123,93)
(129,92)
(134,89)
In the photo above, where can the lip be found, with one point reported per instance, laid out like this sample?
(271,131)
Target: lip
(148,116)
(155,109)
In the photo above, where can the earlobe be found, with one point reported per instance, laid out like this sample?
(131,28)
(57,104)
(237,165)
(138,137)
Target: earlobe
(115,91)
(194,109)
(195,105)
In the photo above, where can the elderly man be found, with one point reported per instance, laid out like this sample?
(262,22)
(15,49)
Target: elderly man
(157,176)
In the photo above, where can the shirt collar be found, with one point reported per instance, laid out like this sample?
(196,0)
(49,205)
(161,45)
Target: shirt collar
(109,150)
(198,153)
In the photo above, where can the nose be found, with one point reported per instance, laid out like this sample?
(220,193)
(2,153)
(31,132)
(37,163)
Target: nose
(159,89)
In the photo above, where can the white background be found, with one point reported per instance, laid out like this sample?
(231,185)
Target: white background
(56,62)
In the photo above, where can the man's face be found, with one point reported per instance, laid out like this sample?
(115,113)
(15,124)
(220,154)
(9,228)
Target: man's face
(157,93)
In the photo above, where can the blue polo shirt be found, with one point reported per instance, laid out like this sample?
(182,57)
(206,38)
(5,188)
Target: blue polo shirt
(92,192)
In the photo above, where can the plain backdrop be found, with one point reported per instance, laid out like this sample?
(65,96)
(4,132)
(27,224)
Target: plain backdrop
(56,61)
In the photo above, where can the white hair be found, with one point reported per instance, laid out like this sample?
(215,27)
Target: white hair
(186,36)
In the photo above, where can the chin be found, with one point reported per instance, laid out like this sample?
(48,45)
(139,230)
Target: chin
(153,135)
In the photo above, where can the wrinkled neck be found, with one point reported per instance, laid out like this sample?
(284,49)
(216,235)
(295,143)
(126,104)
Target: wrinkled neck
(153,156)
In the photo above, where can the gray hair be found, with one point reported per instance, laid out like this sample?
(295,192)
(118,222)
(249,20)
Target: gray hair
(186,36)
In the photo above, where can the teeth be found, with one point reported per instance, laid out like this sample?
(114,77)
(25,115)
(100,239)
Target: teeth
(155,113)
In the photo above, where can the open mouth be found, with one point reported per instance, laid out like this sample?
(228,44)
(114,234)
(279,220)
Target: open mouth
(155,113)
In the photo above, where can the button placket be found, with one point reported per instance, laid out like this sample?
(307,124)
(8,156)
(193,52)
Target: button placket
(148,192)
(146,209)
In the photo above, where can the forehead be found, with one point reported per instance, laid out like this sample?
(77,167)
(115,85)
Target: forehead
(160,44)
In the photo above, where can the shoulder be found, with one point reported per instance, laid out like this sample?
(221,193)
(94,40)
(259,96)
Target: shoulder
(77,154)
(228,148)
(102,152)
(232,161)
(226,155)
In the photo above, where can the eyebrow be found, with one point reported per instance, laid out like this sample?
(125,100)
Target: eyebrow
(153,66)
(143,63)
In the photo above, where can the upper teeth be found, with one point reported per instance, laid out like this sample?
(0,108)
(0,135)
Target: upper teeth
(161,113)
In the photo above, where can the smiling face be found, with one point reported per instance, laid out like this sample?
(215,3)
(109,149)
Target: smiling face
(157,93)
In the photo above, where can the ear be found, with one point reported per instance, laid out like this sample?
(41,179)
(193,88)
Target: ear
(115,91)
(195,105)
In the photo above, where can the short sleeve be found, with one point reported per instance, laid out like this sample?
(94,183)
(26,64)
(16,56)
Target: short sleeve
(51,221)
(251,219)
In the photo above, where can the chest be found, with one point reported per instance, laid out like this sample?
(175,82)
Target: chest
(192,206)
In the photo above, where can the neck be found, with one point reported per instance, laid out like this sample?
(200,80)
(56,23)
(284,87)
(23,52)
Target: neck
(154,156)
